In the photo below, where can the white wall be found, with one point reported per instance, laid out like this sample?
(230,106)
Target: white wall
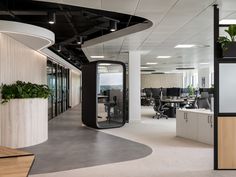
(75,88)
(161,80)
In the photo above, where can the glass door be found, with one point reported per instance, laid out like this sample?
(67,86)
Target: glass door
(110,95)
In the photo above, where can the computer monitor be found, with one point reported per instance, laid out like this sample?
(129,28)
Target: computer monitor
(173,92)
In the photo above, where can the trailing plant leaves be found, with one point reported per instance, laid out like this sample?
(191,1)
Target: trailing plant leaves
(24,90)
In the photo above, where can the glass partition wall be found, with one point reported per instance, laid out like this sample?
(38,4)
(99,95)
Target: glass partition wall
(58,82)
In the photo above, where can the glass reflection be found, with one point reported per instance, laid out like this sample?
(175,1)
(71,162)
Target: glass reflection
(110,95)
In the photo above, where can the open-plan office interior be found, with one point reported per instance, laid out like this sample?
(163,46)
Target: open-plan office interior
(107,88)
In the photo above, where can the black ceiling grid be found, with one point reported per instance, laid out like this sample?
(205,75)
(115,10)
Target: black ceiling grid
(71,24)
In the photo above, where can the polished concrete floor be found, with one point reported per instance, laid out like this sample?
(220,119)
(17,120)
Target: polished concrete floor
(171,156)
(72,146)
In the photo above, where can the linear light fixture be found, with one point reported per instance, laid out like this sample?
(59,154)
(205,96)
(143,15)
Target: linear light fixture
(104,64)
(227,22)
(204,63)
(97,56)
(151,63)
(163,56)
(185,68)
(185,46)
(144,67)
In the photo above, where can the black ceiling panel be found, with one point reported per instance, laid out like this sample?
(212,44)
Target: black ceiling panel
(71,23)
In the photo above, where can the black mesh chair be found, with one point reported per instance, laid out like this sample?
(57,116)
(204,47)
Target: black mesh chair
(159,108)
(203,103)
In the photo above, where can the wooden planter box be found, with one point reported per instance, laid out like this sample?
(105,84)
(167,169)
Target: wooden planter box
(23,122)
(231,52)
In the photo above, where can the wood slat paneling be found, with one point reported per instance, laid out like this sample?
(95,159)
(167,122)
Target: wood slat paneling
(227,142)
(18,62)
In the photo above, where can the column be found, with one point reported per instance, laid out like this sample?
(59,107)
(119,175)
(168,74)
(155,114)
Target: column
(134,86)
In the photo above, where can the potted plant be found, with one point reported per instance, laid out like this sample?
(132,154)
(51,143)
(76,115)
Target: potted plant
(228,43)
(191,90)
(25,109)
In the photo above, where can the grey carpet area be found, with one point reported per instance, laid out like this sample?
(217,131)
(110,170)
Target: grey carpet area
(71,146)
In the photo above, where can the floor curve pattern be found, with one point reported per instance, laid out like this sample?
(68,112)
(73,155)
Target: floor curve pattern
(72,146)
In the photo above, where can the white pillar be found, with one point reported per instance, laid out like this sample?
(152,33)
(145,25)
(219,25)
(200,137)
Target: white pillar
(134,86)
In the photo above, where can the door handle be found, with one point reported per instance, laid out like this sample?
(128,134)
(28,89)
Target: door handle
(211,121)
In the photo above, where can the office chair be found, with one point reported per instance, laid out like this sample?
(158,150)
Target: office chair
(203,103)
(159,108)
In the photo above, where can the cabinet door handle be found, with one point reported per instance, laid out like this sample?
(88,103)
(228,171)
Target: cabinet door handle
(186,117)
(208,119)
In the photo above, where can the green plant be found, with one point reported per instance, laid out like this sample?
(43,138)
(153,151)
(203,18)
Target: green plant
(24,90)
(224,40)
(191,90)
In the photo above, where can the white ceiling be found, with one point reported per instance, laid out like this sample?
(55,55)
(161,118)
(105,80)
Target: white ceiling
(174,22)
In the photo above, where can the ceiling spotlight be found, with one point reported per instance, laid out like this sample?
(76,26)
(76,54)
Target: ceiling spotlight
(69,58)
(51,18)
(59,48)
(80,40)
(113,26)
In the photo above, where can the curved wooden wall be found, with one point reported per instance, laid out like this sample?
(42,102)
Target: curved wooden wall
(24,122)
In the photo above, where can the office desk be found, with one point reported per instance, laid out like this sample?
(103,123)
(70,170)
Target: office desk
(174,104)
(177,100)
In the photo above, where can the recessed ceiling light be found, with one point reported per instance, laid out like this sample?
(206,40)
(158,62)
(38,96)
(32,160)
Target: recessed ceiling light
(228,21)
(185,46)
(163,56)
(151,63)
(204,63)
(144,67)
(97,56)
(104,64)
